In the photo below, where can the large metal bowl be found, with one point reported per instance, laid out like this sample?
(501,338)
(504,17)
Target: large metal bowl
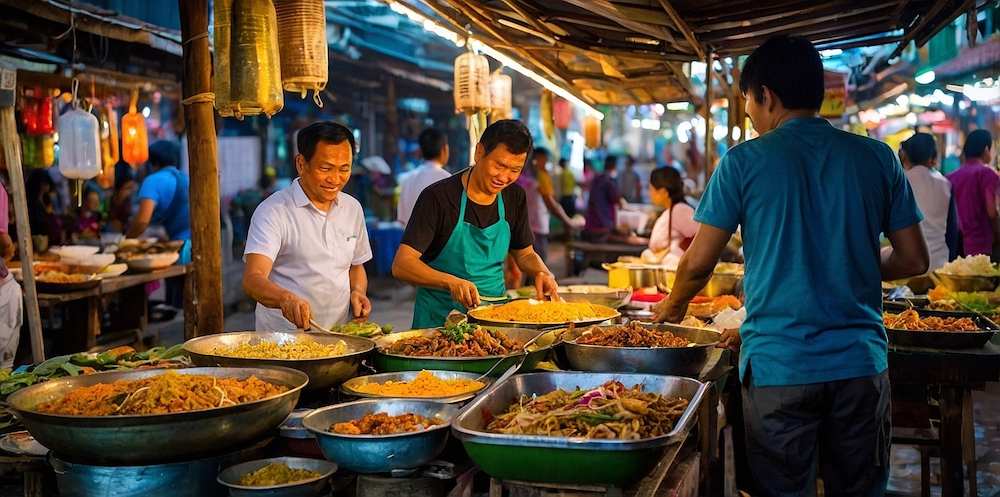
(564,459)
(393,362)
(680,361)
(323,373)
(350,387)
(312,487)
(720,284)
(595,294)
(144,439)
(476,316)
(959,283)
(381,453)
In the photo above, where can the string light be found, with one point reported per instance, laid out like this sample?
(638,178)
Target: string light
(459,40)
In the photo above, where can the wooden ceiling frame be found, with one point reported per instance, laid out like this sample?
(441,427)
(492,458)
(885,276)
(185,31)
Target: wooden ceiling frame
(683,27)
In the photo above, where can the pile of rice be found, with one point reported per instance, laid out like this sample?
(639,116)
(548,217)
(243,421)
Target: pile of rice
(299,349)
(973,265)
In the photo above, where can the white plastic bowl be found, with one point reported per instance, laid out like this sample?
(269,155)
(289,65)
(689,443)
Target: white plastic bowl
(76,252)
(152,262)
(114,270)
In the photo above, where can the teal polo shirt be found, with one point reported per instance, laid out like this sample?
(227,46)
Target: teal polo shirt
(811,200)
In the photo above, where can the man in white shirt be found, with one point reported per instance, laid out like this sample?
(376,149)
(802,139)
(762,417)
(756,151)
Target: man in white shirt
(934,197)
(434,147)
(308,242)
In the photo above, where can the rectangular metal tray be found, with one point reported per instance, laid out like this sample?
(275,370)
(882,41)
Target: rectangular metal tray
(565,459)
(945,339)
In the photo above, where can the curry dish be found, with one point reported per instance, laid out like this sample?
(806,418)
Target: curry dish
(609,411)
(161,394)
(276,473)
(384,424)
(631,335)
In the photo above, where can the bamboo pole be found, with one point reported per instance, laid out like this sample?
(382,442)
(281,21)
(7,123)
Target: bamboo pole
(203,307)
(12,152)
(709,127)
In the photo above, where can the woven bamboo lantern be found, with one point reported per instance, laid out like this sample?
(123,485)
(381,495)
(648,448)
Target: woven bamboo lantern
(500,97)
(302,42)
(562,112)
(135,142)
(472,83)
(592,131)
(254,67)
(222,11)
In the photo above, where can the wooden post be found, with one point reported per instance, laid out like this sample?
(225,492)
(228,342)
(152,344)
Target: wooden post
(709,127)
(203,308)
(390,133)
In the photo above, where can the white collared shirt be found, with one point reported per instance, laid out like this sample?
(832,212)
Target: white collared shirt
(933,193)
(312,252)
(414,182)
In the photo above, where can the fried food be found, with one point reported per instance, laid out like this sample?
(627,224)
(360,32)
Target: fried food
(630,335)
(276,473)
(479,343)
(424,385)
(160,394)
(910,320)
(706,307)
(61,277)
(383,424)
(609,411)
(301,348)
(534,311)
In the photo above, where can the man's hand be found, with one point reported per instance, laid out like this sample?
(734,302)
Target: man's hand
(464,292)
(361,306)
(296,310)
(545,285)
(730,339)
(665,312)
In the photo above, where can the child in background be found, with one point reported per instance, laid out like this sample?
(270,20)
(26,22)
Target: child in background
(86,228)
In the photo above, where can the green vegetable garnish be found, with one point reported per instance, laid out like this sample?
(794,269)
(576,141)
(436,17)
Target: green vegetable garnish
(457,332)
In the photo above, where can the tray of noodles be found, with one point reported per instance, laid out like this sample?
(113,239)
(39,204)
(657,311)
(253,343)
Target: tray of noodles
(434,349)
(146,416)
(328,359)
(441,386)
(937,329)
(572,427)
(531,313)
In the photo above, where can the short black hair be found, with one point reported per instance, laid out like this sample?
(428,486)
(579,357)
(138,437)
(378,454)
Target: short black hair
(323,131)
(670,179)
(791,67)
(511,133)
(165,153)
(920,147)
(610,163)
(976,143)
(541,151)
(432,142)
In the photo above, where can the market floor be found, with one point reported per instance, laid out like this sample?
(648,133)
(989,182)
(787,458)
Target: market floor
(392,303)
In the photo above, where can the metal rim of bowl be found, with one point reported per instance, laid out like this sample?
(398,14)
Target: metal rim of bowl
(317,412)
(371,346)
(444,398)
(333,469)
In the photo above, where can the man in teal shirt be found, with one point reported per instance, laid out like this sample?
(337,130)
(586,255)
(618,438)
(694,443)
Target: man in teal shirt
(812,201)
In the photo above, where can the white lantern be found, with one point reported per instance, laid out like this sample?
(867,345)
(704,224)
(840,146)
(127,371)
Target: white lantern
(472,83)
(79,145)
(500,97)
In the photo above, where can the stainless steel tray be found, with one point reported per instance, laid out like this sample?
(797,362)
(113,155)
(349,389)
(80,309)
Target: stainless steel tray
(681,361)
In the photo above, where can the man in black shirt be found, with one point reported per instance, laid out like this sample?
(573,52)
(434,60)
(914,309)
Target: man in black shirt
(463,227)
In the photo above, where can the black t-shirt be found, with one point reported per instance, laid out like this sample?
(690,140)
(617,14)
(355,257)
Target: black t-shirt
(435,216)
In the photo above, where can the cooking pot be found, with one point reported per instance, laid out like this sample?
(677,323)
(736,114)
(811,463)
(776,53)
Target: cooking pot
(653,275)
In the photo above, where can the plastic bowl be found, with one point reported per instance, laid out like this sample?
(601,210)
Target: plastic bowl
(152,262)
(76,252)
(230,477)
(91,264)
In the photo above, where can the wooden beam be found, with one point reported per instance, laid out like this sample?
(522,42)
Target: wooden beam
(709,127)
(533,20)
(819,34)
(683,27)
(924,19)
(833,17)
(899,11)
(967,6)
(203,306)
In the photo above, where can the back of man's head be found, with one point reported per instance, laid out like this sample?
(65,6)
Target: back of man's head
(976,143)
(610,163)
(164,153)
(920,148)
(432,143)
(790,67)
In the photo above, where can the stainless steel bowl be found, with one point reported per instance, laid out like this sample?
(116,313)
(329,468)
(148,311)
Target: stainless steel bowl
(312,487)
(143,439)
(680,361)
(957,283)
(564,459)
(380,453)
(350,387)
(395,362)
(603,295)
(323,373)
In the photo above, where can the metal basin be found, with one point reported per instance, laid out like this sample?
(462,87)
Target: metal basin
(563,459)
(381,453)
(159,438)
(179,479)
(323,373)
(312,487)
(350,387)
(394,362)
(680,361)
(958,283)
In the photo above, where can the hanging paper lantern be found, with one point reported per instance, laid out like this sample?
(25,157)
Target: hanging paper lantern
(255,70)
(79,144)
(29,154)
(472,83)
(500,97)
(545,109)
(46,149)
(592,131)
(135,144)
(222,11)
(562,112)
(303,48)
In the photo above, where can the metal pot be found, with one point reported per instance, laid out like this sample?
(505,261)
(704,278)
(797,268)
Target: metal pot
(653,275)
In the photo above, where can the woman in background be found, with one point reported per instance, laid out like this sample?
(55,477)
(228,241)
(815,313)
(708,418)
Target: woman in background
(675,228)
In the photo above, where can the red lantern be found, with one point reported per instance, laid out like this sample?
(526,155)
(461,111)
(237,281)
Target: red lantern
(135,144)
(44,126)
(562,112)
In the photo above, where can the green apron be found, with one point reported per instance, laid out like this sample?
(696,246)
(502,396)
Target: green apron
(471,253)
